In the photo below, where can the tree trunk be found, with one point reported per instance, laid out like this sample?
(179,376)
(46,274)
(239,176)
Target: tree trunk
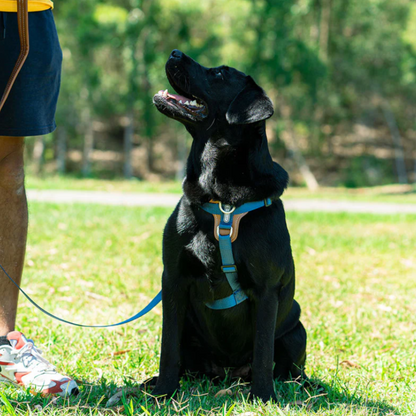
(61,150)
(181,155)
(397,142)
(290,139)
(38,153)
(88,146)
(324,29)
(148,113)
(414,171)
(150,155)
(128,145)
(304,169)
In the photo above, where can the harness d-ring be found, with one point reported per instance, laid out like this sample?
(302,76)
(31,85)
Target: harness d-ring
(227,210)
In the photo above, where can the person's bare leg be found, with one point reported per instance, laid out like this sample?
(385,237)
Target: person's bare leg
(36,373)
(13,227)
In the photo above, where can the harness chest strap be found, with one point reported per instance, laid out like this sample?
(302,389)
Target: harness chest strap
(226,224)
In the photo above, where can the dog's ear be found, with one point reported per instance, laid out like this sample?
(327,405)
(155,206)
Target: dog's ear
(250,105)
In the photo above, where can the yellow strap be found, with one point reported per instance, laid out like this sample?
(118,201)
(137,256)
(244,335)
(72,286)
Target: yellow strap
(34,5)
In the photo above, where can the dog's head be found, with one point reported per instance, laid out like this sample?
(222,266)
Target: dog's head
(205,95)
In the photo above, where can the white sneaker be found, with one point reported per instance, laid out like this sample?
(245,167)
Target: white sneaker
(23,365)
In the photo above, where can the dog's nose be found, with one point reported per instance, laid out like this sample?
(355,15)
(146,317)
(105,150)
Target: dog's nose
(176,54)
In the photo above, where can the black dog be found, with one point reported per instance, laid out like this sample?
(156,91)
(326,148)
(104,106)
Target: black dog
(225,111)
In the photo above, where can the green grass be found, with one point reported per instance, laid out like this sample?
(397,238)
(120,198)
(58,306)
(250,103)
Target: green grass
(391,193)
(356,283)
(72,183)
(404,194)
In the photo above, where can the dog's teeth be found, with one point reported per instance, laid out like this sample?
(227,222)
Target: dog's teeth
(187,103)
(180,101)
(193,103)
(165,93)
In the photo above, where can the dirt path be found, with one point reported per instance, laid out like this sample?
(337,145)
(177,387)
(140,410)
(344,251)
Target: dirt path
(170,200)
(104,198)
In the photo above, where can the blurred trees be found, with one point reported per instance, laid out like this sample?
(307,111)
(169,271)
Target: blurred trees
(341,75)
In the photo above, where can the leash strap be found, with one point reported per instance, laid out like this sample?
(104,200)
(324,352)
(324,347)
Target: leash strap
(23,25)
(226,250)
(148,308)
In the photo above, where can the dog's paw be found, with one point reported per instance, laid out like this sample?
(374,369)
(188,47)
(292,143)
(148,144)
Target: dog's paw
(263,395)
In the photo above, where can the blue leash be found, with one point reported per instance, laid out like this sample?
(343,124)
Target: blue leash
(148,308)
(228,267)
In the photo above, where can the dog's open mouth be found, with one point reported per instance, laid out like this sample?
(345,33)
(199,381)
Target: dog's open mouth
(179,106)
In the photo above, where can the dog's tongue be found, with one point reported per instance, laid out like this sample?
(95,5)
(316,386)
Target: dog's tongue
(179,97)
(174,96)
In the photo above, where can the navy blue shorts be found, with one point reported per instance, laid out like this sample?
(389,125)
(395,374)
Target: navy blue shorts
(30,108)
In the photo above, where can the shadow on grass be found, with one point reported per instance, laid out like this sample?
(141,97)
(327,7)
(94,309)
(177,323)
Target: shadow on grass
(331,397)
(196,397)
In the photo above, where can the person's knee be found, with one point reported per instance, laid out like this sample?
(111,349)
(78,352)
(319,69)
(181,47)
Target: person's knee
(11,164)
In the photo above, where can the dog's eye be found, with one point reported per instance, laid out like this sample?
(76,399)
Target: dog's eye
(218,74)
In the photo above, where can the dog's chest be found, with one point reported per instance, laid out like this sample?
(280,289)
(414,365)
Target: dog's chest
(221,165)
(210,158)
(204,249)
(209,281)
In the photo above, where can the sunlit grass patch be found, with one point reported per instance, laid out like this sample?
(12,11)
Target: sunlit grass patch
(72,183)
(356,283)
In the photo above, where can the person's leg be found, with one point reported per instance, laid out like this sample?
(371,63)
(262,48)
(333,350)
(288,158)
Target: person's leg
(13,227)
(36,374)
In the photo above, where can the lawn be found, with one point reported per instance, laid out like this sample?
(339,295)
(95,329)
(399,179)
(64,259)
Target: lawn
(356,283)
(71,183)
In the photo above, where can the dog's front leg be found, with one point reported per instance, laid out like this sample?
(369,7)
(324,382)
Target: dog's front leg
(265,324)
(174,302)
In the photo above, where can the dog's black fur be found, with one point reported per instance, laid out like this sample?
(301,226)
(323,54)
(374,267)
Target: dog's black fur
(229,162)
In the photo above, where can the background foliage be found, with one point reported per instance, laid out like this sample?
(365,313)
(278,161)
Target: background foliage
(341,75)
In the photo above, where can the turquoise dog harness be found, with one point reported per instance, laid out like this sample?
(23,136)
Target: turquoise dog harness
(224,233)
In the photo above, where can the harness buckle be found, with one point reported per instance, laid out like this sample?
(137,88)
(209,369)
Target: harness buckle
(230,266)
(226,235)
